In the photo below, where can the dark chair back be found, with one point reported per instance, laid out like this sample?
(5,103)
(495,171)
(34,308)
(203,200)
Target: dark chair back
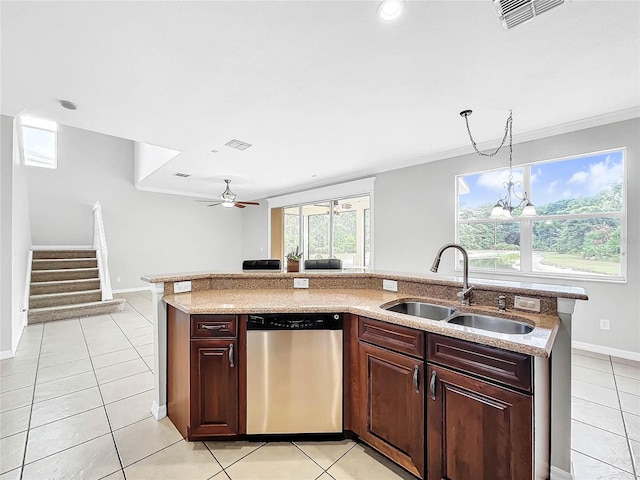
(270,264)
(323,264)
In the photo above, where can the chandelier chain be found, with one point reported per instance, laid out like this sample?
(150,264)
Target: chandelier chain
(508,131)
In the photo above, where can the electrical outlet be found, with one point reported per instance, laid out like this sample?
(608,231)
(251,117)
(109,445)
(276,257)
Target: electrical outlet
(180,287)
(527,303)
(390,285)
(117,279)
(605,324)
(300,283)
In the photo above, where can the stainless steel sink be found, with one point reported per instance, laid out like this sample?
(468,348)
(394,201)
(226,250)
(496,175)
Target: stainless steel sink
(493,324)
(424,310)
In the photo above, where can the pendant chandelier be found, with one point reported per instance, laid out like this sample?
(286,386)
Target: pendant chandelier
(505,206)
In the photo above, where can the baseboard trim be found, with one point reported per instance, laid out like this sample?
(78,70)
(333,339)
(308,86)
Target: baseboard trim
(557,474)
(614,352)
(4,354)
(62,247)
(134,289)
(157,411)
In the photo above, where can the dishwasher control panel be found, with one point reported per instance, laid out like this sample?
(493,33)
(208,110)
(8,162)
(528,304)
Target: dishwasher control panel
(295,321)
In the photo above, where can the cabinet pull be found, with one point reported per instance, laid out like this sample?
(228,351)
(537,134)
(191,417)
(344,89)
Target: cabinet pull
(416,372)
(212,327)
(432,385)
(231,355)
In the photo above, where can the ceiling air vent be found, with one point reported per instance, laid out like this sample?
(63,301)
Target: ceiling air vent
(515,12)
(238,144)
(183,175)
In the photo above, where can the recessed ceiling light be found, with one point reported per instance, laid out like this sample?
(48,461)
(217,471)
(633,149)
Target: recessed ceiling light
(390,10)
(214,151)
(68,105)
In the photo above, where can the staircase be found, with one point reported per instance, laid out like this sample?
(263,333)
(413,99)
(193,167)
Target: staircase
(66,284)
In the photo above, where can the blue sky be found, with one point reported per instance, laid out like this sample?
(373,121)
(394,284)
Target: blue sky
(551,181)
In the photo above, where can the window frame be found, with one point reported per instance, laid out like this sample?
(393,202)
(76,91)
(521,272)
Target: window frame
(42,125)
(526,224)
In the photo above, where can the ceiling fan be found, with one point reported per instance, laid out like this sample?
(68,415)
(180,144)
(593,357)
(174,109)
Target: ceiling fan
(228,199)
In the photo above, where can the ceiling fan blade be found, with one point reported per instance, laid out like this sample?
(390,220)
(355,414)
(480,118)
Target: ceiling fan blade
(204,201)
(213,204)
(239,206)
(248,203)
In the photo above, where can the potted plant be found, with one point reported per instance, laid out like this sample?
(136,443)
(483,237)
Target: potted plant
(293,260)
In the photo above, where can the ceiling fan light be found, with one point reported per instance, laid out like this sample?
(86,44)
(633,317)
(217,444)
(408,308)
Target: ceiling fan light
(227,204)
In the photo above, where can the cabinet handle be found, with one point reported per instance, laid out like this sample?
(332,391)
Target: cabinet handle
(231,355)
(212,327)
(432,385)
(416,372)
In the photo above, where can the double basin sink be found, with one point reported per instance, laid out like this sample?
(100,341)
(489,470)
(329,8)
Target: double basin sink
(450,315)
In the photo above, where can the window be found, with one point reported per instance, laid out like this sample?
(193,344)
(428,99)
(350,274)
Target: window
(39,142)
(579,230)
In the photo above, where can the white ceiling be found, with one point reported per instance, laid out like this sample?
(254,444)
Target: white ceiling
(322,90)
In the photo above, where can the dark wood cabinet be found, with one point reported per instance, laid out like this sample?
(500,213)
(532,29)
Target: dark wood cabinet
(477,428)
(391,402)
(214,388)
(204,372)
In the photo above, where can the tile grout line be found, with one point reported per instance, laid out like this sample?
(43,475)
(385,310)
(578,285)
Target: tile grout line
(104,407)
(26,439)
(624,424)
(215,458)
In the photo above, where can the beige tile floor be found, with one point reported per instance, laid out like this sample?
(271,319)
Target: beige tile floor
(74,404)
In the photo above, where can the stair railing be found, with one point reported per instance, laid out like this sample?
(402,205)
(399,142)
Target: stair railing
(100,246)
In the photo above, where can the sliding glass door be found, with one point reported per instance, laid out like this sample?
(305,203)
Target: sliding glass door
(337,228)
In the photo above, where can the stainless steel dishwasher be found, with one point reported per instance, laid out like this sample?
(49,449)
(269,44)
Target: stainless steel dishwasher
(294,373)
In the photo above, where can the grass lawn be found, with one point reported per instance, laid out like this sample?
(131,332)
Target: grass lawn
(577,263)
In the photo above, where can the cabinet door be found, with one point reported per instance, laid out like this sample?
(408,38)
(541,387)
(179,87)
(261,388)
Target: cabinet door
(392,403)
(476,429)
(214,388)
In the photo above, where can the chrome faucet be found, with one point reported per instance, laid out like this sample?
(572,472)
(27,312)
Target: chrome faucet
(463,295)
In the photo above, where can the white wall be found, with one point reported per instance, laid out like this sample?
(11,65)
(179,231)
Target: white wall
(6,154)
(408,233)
(255,238)
(15,242)
(146,232)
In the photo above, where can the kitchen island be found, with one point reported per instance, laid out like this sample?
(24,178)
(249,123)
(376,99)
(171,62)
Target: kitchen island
(362,298)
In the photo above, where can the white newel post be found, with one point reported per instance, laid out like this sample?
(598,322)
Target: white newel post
(159,405)
(561,394)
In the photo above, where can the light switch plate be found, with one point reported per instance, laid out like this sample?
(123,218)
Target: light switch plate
(390,285)
(180,287)
(527,303)
(300,283)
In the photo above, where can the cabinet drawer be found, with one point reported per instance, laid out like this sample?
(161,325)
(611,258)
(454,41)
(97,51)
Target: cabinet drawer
(509,368)
(214,326)
(391,336)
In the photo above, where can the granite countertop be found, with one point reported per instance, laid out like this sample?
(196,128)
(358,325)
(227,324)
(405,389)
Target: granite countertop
(367,302)
(518,288)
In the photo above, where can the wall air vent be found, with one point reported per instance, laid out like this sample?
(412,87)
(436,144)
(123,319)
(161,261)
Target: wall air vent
(515,12)
(183,175)
(238,144)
